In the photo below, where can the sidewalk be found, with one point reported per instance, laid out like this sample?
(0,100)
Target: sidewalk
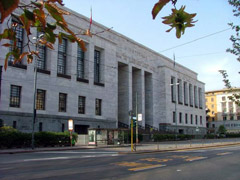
(141,148)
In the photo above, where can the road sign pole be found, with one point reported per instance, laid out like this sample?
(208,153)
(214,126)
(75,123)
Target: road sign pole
(136,118)
(131,134)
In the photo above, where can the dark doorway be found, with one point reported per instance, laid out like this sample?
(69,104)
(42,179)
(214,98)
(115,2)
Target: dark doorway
(181,131)
(81,129)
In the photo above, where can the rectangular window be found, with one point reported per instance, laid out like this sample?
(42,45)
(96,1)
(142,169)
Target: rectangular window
(200,98)
(238,117)
(212,99)
(191,95)
(62,57)
(230,107)
(201,120)
(41,60)
(186,118)
(15,124)
(185,87)
(223,98)
(62,102)
(231,118)
(191,119)
(80,63)
(224,118)
(173,89)
(17,28)
(81,105)
(180,117)
(224,107)
(195,97)
(174,117)
(15,96)
(196,119)
(98,107)
(63,127)
(40,127)
(180,94)
(97,61)
(40,102)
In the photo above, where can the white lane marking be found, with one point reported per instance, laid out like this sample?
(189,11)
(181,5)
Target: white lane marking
(1,169)
(46,159)
(179,170)
(72,157)
(73,152)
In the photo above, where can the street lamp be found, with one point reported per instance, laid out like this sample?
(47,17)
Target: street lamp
(70,128)
(34,88)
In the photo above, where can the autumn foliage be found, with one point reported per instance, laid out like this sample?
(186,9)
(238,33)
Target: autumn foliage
(34,15)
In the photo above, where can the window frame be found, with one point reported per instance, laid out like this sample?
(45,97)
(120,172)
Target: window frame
(98,107)
(62,57)
(80,63)
(15,97)
(41,100)
(81,104)
(20,38)
(62,103)
(97,66)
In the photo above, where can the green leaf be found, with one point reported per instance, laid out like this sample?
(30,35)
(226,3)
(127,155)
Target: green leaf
(52,26)
(158,6)
(50,36)
(29,15)
(180,20)
(55,14)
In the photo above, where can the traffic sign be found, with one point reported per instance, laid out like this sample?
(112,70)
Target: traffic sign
(139,117)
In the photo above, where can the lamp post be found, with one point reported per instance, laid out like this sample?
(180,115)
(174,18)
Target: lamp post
(34,89)
(70,128)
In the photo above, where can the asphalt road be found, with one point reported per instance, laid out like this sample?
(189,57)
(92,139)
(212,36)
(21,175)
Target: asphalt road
(210,164)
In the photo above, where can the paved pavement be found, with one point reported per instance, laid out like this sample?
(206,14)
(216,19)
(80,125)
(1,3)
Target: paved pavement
(140,148)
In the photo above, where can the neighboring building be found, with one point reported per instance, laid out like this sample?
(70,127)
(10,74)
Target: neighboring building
(97,88)
(222,111)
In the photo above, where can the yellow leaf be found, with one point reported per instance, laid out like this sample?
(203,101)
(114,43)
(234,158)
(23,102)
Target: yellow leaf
(49,45)
(88,33)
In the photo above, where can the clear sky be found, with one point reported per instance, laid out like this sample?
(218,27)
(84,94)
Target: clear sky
(205,56)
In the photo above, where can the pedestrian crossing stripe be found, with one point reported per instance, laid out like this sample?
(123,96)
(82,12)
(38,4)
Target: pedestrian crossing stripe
(225,153)
(195,158)
(156,160)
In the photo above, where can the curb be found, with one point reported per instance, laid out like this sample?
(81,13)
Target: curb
(171,150)
(58,149)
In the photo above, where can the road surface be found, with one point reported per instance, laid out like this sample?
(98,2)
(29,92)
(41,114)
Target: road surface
(210,163)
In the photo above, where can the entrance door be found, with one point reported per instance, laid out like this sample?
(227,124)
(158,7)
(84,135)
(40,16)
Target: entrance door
(110,137)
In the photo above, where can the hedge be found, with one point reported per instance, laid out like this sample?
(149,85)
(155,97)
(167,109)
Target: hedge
(10,137)
(233,135)
(165,137)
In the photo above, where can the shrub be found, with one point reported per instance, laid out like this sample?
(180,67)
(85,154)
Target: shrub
(233,135)
(210,136)
(167,137)
(10,137)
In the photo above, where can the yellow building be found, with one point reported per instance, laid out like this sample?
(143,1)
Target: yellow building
(222,111)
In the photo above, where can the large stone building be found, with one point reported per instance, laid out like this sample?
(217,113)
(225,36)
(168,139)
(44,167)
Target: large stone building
(98,88)
(222,110)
